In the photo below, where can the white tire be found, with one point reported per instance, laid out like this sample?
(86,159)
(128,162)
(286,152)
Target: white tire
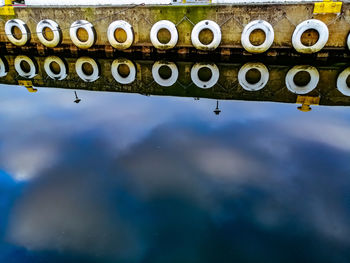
(54,27)
(213,27)
(342,86)
(25,38)
(256,25)
(264,72)
(119,78)
(315,24)
(120,24)
(215,74)
(90,31)
(33,68)
(161,81)
(314,79)
(95,69)
(168,25)
(63,73)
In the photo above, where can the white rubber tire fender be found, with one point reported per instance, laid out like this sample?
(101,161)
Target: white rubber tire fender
(314,79)
(79,69)
(120,24)
(348,41)
(213,27)
(4,67)
(63,68)
(25,38)
(215,74)
(54,27)
(89,29)
(264,78)
(342,86)
(161,81)
(33,71)
(255,25)
(174,35)
(315,24)
(119,78)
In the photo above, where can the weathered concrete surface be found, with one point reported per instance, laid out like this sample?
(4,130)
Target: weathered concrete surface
(227,87)
(231,18)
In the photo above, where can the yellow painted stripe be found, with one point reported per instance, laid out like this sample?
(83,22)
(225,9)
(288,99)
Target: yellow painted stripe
(328,7)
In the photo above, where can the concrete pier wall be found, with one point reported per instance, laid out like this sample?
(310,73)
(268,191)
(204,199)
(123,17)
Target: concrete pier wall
(231,19)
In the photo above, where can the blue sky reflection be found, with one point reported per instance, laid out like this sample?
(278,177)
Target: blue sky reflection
(129,178)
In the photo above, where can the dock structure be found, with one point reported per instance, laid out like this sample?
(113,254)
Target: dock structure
(193,27)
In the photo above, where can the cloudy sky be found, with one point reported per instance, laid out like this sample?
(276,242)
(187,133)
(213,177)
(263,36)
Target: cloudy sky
(129,178)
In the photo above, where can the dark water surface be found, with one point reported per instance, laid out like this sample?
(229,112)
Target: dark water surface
(130,178)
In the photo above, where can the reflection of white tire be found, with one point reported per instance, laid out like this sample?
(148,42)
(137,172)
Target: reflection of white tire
(90,31)
(315,24)
(215,74)
(256,86)
(168,25)
(63,68)
(342,86)
(161,81)
(22,27)
(119,78)
(348,41)
(120,24)
(33,68)
(95,69)
(314,78)
(255,25)
(4,68)
(213,27)
(57,34)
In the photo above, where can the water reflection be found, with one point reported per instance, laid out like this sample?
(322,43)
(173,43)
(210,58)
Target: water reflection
(162,179)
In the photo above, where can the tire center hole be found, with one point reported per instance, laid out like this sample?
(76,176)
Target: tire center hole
(165,72)
(310,37)
(348,81)
(25,66)
(16,32)
(55,68)
(253,76)
(206,36)
(204,74)
(120,35)
(123,70)
(302,78)
(48,34)
(164,36)
(257,37)
(82,35)
(87,69)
